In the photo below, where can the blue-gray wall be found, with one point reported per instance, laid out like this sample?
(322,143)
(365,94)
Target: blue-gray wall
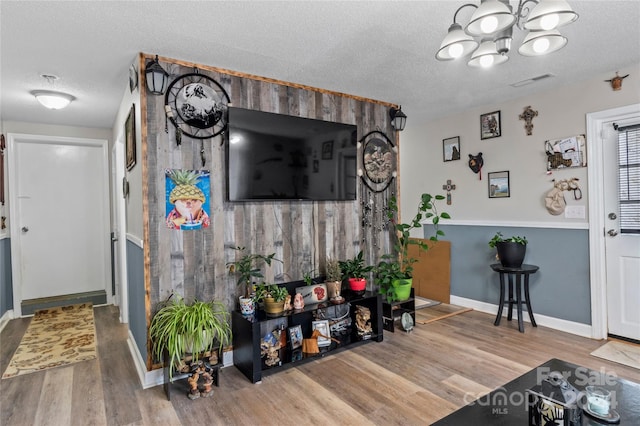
(560,289)
(136,294)
(6,286)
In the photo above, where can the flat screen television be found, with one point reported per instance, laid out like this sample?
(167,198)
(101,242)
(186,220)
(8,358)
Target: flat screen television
(282,157)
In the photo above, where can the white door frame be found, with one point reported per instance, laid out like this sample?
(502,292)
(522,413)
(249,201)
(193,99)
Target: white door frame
(118,209)
(16,258)
(595,175)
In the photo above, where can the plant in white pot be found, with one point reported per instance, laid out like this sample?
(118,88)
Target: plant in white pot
(394,273)
(181,328)
(510,250)
(248,268)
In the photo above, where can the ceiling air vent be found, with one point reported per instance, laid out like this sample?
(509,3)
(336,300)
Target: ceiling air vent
(531,80)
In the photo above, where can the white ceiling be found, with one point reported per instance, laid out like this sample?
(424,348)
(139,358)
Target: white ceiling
(383,50)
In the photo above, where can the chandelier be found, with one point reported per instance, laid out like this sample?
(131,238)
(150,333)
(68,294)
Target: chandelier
(492,24)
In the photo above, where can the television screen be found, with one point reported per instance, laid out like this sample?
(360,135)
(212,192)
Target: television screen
(283,157)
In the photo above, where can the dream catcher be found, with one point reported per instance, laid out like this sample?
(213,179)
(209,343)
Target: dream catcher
(197,106)
(379,169)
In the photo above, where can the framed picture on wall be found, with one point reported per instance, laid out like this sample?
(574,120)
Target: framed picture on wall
(451,148)
(130,138)
(490,126)
(499,185)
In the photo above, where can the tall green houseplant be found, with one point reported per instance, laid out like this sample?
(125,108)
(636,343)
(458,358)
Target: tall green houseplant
(249,267)
(396,269)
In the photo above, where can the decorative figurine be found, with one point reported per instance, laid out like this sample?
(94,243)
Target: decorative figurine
(475,163)
(363,322)
(298,301)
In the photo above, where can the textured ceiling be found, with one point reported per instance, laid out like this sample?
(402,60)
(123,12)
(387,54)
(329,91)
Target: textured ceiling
(382,50)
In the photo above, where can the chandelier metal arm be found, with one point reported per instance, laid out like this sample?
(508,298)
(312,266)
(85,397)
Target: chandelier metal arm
(522,12)
(455,15)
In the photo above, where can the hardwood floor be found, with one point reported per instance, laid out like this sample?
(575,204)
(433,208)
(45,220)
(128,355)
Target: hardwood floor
(408,379)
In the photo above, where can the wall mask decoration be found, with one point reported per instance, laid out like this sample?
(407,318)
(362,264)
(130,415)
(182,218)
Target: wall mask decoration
(616,82)
(527,115)
(475,163)
(197,106)
(187,199)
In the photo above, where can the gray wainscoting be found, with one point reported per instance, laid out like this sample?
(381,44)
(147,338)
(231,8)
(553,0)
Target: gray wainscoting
(6,285)
(136,293)
(560,289)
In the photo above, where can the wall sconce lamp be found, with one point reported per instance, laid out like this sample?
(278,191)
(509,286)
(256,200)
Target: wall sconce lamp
(157,78)
(398,118)
(493,22)
(53,100)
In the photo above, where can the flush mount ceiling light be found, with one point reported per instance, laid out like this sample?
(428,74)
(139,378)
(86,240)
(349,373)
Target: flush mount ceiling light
(53,100)
(493,21)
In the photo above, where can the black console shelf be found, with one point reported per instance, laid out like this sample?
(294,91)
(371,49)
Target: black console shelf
(248,331)
(392,311)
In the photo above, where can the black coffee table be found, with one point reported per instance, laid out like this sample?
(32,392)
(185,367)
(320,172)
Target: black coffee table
(507,405)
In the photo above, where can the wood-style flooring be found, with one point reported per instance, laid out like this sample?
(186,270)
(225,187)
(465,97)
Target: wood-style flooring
(408,379)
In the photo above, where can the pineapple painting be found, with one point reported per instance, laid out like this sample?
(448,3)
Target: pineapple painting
(187,200)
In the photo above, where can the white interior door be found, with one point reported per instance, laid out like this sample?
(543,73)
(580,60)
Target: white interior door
(60,216)
(622,227)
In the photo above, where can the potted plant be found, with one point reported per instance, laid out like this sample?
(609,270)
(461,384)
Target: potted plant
(394,273)
(354,270)
(511,250)
(180,328)
(272,296)
(333,280)
(248,268)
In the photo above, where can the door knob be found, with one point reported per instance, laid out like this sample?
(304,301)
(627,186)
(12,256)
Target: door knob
(612,216)
(25,229)
(612,232)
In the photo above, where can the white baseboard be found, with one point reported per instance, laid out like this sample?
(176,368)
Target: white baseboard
(149,379)
(8,316)
(577,328)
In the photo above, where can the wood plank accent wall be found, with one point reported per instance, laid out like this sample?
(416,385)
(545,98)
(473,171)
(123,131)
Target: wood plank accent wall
(302,234)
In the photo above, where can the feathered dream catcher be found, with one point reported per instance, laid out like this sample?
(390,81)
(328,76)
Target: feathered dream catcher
(196,104)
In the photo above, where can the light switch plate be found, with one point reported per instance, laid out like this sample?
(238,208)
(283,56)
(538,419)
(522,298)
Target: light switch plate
(574,212)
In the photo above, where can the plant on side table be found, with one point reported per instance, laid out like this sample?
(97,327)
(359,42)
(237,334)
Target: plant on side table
(273,296)
(181,328)
(511,250)
(248,268)
(333,280)
(355,271)
(394,273)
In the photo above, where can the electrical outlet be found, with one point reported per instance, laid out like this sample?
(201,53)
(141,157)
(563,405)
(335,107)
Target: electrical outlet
(574,212)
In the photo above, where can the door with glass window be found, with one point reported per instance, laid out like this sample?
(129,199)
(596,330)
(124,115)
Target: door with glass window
(622,228)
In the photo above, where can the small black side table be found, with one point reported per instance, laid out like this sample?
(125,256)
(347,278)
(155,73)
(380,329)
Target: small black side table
(515,277)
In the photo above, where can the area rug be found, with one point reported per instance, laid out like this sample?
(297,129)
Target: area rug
(623,353)
(55,337)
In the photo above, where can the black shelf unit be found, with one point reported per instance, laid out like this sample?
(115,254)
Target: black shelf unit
(248,331)
(392,311)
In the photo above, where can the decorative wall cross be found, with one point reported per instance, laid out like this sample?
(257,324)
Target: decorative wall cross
(527,115)
(449,187)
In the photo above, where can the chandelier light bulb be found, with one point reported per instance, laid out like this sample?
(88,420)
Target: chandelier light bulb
(541,45)
(489,24)
(486,61)
(549,22)
(455,50)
